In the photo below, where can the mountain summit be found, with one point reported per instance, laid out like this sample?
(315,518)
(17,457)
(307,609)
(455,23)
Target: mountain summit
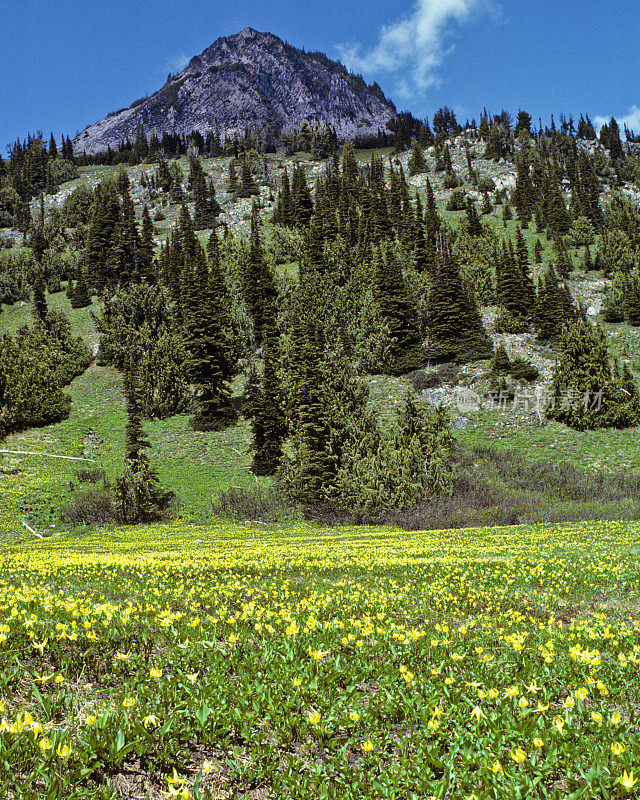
(250,79)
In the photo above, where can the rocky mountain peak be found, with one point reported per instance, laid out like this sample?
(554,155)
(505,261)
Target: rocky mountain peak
(252,79)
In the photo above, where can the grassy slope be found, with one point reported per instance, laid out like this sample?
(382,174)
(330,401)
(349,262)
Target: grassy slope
(198,466)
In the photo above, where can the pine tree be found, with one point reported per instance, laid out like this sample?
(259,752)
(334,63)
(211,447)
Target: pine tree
(53,148)
(248,186)
(587,263)
(301,198)
(30,391)
(474,226)
(258,282)
(147,269)
(515,291)
(101,235)
(523,195)
(455,327)
(264,405)
(283,212)
(431,218)
(563,263)
(553,307)
(500,363)
(417,163)
(310,474)
(211,361)
(399,315)
(522,260)
(139,496)
(232,181)
(586,392)
(537,251)
(555,215)
(81,297)
(40,310)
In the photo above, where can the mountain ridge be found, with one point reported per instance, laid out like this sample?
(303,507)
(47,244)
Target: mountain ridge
(250,79)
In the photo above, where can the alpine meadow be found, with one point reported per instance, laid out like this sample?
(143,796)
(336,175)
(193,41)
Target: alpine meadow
(319,459)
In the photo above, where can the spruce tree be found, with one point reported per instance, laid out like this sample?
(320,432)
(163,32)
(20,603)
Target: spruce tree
(248,186)
(147,270)
(310,474)
(264,404)
(523,195)
(537,251)
(232,180)
(586,393)
(81,297)
(40,310)
(500,363)
(474,226)
(400,316)
(211,362)
(258,281)
(302,201)
(138,493)
(455,327)
(553,307)
(417,163)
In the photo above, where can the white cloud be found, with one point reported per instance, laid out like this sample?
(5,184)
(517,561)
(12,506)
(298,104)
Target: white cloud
(177,63)
(418,42)
(631,120)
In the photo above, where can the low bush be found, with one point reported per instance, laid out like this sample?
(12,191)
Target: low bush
(255,504)
(94,507)
(497,487)
(94,475)
(446,373)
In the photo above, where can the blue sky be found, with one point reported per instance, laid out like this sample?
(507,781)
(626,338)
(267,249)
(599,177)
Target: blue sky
(65,65)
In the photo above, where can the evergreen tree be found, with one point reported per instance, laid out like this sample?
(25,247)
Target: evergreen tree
(232,180)
(554,210)
(139,496)
(146,248)
(563,263)
(474,226)
(248,186)
(310,474)
(586,394)
(399,316)
(500,363)
(264,405)
(30,390)
(432,218)
(455,327)
(211,362)
(537,251)
(554,307)
(40,310)
(417,163)
(523,195)
(81,297)
(301,198)
(259,286)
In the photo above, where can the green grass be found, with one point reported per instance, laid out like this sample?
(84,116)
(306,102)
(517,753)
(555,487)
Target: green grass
(606,449)
(16,316)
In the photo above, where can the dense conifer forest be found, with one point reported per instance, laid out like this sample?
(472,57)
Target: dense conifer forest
(339,306)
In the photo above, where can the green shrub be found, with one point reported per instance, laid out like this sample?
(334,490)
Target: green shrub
(457,201)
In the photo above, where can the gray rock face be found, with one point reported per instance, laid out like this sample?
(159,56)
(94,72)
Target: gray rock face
(252,79)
